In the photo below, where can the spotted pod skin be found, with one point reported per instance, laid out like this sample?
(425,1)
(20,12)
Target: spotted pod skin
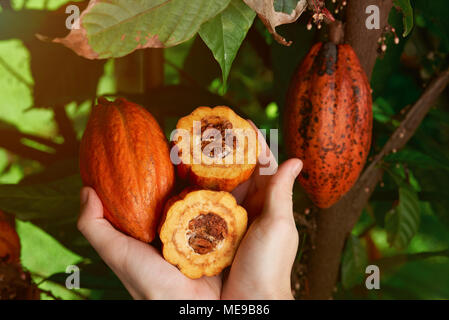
(124,156)
(328,121)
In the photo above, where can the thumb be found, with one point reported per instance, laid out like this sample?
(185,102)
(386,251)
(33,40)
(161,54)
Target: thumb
(279,202)
(97,230)
(91,206)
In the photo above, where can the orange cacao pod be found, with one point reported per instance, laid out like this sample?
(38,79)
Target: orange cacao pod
(124,156)
(207,169)
(201,230)
(9,241)
(328,121)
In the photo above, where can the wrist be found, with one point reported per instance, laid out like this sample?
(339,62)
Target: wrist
(257,292)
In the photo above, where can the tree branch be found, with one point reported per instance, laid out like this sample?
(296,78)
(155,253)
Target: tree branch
(66,129)
(364,41)
(13,141)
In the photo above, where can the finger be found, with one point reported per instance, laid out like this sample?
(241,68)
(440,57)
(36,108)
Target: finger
(92,215)
(100,233)
(279,203)
(96,229)
(266,162)
(123,254)
(241,191)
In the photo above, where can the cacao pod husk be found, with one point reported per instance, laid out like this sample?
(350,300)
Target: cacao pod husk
(124,156)
(221,171)
(328,121)
(9,240)
(201,230)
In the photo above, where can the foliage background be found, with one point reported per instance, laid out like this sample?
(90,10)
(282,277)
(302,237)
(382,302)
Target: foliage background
(38,142)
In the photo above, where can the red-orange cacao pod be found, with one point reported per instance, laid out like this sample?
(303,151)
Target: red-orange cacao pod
(328,121)
(124,156)
(9,240)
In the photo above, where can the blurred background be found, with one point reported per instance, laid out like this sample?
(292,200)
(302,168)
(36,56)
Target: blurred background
(46,93)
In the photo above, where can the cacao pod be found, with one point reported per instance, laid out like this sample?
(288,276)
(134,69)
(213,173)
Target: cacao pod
(124,156)
(201,230)
(328,121)
(9,240)
(221,166)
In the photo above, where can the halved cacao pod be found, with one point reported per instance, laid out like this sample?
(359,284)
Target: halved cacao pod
(217,149)
(201,230)
(328,121)
(124,156)
(9,241)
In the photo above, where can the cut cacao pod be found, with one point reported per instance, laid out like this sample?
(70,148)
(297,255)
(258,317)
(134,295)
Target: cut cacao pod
(201,230)
(124,156)
(217,149)
(328,121)
(9,241)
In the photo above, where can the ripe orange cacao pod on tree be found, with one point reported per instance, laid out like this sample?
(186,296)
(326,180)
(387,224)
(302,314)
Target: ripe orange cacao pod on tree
(328,121)
(124,156)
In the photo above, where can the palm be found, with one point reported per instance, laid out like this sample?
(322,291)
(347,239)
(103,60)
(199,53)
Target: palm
(166,279)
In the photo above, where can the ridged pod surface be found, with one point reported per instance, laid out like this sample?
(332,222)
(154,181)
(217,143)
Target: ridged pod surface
(328,121)
(124,156)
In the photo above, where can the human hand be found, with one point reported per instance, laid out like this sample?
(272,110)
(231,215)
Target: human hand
(260,269)
(140,267)
(262,266)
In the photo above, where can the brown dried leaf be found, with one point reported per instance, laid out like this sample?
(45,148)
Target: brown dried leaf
(77,38)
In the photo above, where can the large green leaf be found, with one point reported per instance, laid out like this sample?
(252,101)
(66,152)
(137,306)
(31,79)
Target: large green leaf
(55,200)
(407,11)
(52,206)
(402,222)
(225,33)
(354,261)
(115,28)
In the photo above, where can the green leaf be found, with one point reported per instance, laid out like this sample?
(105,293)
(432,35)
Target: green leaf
(402,222)
(55,200)
(354,261)
(115,28)
(52,206)
(93,276)
(225,33)
(415,158)
(286,6)
(407,11)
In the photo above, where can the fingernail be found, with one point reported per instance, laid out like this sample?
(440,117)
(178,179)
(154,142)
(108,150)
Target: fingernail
(84,196)
(297,168)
